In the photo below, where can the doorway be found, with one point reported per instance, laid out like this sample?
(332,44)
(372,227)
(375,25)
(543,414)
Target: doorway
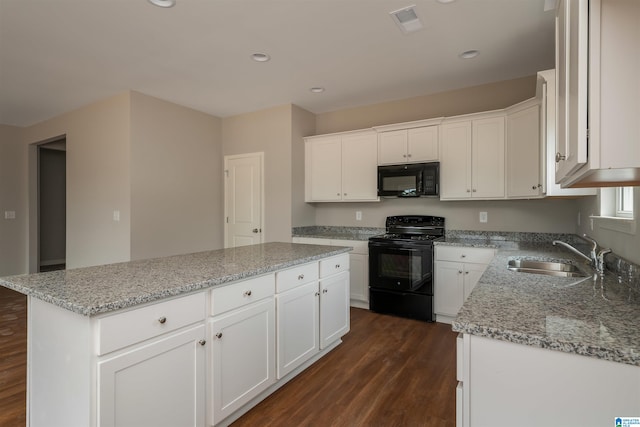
(243,199)
(51,205)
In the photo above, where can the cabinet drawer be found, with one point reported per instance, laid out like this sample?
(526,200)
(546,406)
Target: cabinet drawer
(334,265)
(299,275)
(123,329)
(236,295)
(462,254)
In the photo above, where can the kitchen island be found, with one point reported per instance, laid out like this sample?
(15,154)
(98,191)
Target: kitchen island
(188,340)
(542,350)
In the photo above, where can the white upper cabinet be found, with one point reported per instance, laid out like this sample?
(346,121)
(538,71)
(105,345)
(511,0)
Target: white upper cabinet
(524,175)
(546,94)
(598,92)
(415,145)
(472,158)
(341,167)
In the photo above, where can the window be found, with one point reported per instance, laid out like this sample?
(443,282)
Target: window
(624,202)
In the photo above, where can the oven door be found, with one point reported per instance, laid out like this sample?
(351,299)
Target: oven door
(393,265)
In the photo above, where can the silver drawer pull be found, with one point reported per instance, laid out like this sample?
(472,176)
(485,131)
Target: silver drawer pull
(301,276)
(162,320)
(202,342)
(219,335)
(247,293)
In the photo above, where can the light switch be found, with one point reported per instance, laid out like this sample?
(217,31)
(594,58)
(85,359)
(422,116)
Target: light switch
(483,217)
(116,215)
(9,214)
(358,215)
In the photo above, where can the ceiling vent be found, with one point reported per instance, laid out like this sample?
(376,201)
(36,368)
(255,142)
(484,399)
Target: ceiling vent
(407,19)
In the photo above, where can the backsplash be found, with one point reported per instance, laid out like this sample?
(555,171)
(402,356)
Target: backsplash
(499,236)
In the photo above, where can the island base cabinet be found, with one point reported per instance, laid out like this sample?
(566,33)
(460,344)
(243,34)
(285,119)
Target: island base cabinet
(334,308)
(298,326)
(160,384)
(514,384)
(242,356)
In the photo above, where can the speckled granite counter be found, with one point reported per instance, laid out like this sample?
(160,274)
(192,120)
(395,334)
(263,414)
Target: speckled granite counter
(596,317)
(336,232)
(93,290)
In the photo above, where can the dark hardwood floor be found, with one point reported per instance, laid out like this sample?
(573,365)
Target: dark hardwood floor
(388,372)
(13,358)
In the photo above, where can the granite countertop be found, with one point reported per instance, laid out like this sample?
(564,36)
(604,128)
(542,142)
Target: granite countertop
(337,232)
(593,316)
(94,290)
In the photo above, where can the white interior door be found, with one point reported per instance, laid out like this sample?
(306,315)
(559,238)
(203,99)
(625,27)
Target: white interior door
(243,199)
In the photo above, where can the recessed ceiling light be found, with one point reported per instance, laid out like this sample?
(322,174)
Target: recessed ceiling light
(469,54)
(445,1)
(317,89)
(260,57)
(163,3)
(407,19)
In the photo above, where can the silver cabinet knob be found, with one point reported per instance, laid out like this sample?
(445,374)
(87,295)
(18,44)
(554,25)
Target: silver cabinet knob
(247,293)
(466,272)
(337,265)
(408,155)
(474,190)
(459,271)
(324,291)
(255,230)
(560,157)
(463,256)
(301,276)
(468,191)
(337,194)
(404,155)
(219,335)
(202,342)
(317,294)
(162,320)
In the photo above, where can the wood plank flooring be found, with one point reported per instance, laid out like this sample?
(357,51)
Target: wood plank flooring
(13,358)
(388,372)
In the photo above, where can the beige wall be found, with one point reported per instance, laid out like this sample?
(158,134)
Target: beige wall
(623,244)
(532,216)
(13,197)
(468,100)
(267,131)
(302,124)
(176,179)
(98,166)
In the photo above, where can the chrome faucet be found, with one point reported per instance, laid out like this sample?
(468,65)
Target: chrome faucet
(594,246)
(600,262)
(591,261)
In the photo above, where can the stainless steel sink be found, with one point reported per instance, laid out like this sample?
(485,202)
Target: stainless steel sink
(545,267)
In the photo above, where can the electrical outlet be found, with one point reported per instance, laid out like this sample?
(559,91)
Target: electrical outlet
(116,215)
(358,215)
(483,217)
(9,214)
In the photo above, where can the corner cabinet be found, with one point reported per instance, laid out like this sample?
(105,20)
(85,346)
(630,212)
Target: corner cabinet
(472,157)
(598,93)
(341,167)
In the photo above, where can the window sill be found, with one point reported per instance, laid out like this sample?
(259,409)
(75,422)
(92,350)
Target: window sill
(622,225)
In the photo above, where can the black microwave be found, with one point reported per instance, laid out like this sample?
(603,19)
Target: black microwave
(411,180)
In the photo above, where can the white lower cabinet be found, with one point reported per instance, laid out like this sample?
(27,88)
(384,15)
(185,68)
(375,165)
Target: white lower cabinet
(298,326)
(144,386)
(457,271)
(243,337)
(507,384)
(334,308)
(358,267)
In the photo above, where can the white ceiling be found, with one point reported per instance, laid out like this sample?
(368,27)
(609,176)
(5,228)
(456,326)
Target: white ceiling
(59,55)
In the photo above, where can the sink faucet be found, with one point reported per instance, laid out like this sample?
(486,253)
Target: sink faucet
(594,246)
(600,262)
(591,261)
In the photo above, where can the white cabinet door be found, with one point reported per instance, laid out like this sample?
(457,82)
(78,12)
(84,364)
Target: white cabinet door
(359,167)
(455,161)
(298,326)
(392,147)
(323,172)
(448,288)
(523,153)
(422,144)
(334,308)
(487,158)
(158,384)
(572,83)
(242,356)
